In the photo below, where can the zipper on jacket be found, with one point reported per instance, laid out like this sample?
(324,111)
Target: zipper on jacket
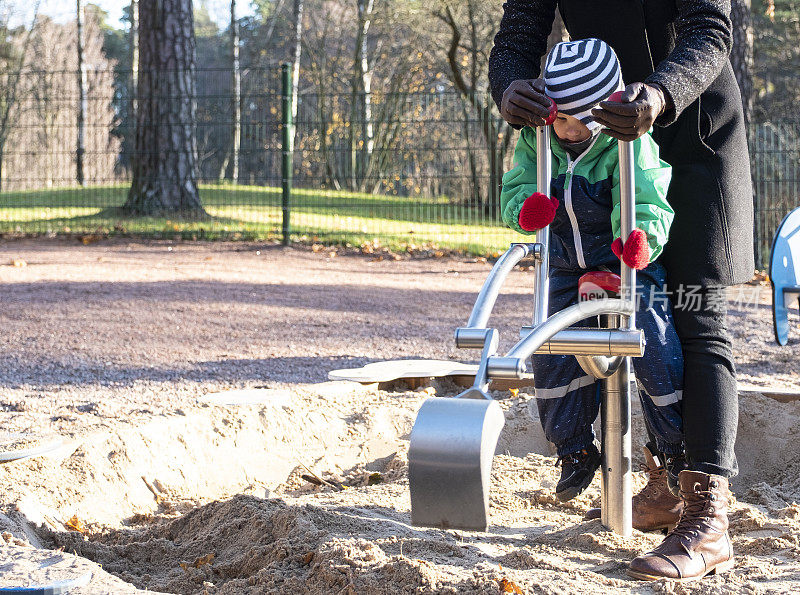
(576,234)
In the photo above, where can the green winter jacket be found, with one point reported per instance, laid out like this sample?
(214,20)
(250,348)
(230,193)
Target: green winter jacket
(587,188)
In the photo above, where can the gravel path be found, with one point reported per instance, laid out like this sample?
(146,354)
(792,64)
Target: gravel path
(122,328)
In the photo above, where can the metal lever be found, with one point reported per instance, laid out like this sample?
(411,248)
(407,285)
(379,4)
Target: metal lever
(473,335)
(541,269)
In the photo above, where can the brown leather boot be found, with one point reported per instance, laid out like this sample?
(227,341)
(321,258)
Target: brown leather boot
(654,508)
(700,544)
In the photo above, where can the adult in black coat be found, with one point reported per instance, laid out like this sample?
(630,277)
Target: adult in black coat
(674,55)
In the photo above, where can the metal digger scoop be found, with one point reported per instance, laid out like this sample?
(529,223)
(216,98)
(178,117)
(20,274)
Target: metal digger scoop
(453,440)
(450,455)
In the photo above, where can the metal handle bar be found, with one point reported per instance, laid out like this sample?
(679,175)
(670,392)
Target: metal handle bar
(541,270)
(589,341)
(627,193)
(513,364)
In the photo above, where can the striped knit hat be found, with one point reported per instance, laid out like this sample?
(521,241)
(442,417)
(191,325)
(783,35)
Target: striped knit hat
(580,74)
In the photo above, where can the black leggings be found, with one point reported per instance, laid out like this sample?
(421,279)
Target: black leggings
(710,397)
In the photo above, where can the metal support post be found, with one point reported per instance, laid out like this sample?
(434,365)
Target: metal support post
(616,512)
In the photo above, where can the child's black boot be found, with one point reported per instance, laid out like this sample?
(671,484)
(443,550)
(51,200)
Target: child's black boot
(577,472)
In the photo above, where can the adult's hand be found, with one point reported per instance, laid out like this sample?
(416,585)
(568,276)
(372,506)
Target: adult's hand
(525,104)
(633,114)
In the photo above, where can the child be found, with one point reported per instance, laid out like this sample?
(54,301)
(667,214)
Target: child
(584,219)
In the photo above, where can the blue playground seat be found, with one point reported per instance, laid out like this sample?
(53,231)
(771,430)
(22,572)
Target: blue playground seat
(784,273)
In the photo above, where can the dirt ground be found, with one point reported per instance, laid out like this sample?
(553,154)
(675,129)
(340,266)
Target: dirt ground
(112,352)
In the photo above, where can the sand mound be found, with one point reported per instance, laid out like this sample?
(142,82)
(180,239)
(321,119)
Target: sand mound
(355,540)
(358,541)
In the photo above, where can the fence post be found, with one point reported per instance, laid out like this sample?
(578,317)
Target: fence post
(287,146)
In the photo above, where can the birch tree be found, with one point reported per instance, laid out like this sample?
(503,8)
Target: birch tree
(232,155)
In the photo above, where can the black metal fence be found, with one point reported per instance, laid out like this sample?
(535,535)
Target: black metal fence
(401,169)
(775,162)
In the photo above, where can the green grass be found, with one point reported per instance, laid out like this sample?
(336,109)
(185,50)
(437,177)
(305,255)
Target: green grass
(254,213)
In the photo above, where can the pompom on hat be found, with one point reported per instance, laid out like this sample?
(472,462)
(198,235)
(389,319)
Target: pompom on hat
(580,74)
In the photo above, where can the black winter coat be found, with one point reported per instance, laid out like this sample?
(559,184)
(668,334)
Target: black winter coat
(683,45)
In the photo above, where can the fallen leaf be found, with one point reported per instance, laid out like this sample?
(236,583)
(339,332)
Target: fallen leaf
(201,561)
(514,391)
(75,524)
(307,558)
(507,586)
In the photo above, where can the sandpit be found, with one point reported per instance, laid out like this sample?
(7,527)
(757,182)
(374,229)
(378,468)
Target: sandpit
(309,494)
(188,469)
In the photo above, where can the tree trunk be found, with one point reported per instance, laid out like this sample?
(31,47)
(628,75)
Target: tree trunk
(8,95)
(367,130)
(475,182)
(134,41)
(236,94)
(81,120)
(361,148)
(742,53)
(165,154)
(298,50)
(481,107)
(490,135)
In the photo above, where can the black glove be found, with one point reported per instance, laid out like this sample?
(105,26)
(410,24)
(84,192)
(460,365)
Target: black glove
(525,104)
(634,114)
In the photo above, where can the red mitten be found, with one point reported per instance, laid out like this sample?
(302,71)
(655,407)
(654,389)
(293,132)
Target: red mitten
(616,248)
(635,252)
(537,211)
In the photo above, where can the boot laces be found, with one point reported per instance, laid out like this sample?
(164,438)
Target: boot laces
(693,516)
(654,473)
(655,476)
(573,457)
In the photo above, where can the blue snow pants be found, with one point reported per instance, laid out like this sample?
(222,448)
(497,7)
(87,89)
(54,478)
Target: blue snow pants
(569,399)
